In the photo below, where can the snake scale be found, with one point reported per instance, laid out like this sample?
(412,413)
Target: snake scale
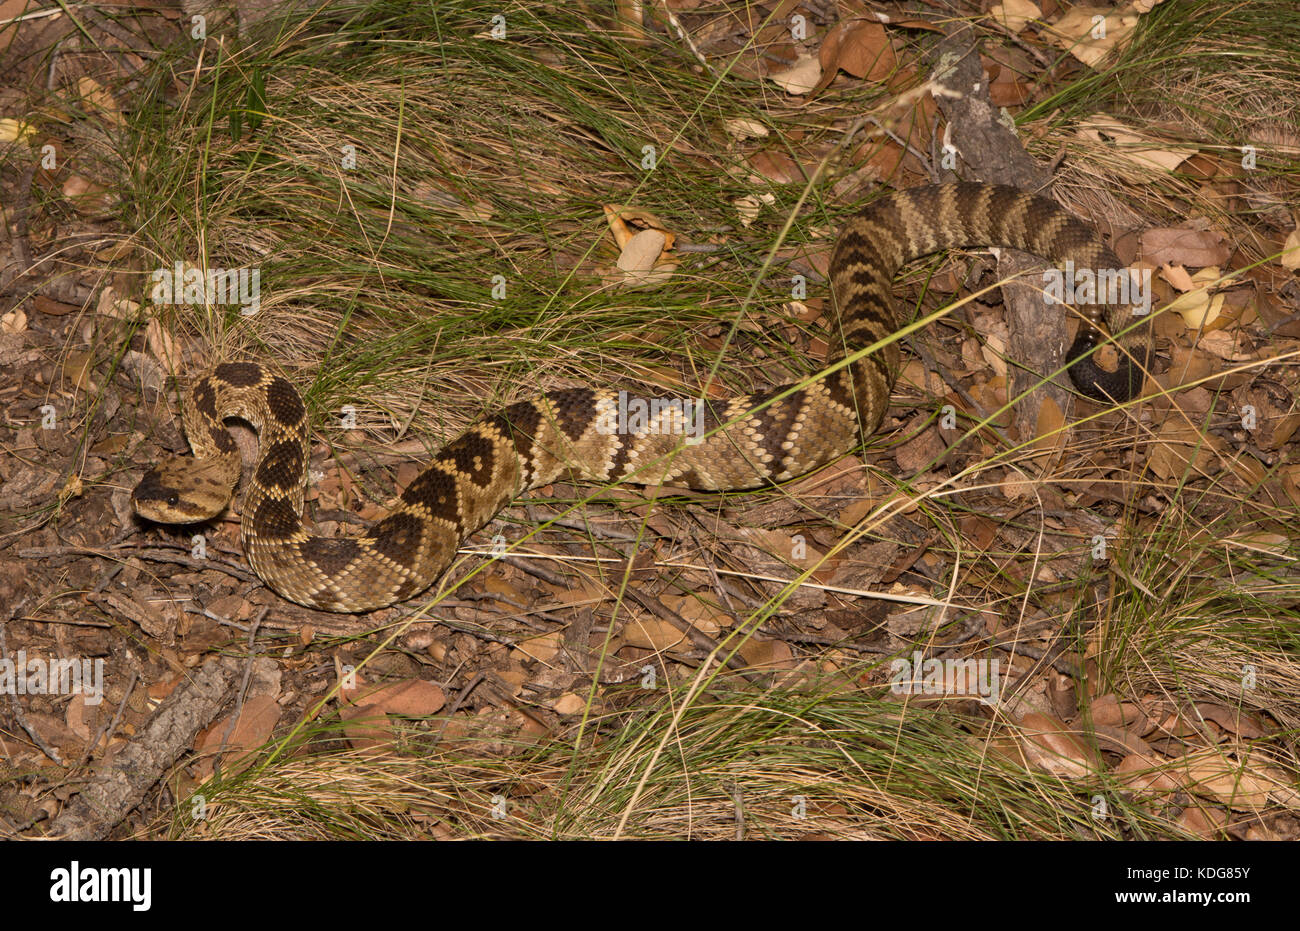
(764,437)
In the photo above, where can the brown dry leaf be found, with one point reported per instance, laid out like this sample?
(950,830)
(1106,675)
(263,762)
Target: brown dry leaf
(569,703)
(78,370)
(745,129)
(1052,746)
(1178,445)
(776,166)
(1233,720)
(994,350)
(1182,246)
(88,198)
(79,716)
(749,206)
(1203,822)
(1131,145)
(1238,783)
(14,130)
(1177,276)
(652,633)
(1007,89)
(367,728)
(640,261)
(642,251)
(979,531)
(922,450)
(162,347)
(94,94)
(625,222)
(799,78)
(14,322)
(1145,775)
(541,648)
(1015,14)
(771,654)
(1090,42)
(699,613)
(1290,257)
(254,726)
(412,697)
(1109,711)
(1224,345)
(1188,366)
(164,687)
(1049,432)
(861,48)
(787,548)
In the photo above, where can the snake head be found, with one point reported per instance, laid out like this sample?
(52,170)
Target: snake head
(182,490)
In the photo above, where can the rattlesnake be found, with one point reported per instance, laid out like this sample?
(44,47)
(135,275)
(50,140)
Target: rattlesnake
(768,437)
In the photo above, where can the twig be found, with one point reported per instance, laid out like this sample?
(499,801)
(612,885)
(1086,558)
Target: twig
(455,705)
(153,555)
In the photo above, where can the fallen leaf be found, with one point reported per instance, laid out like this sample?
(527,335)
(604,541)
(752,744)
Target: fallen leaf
(799,78)
(1131,145)
(14,130)
(410,697)
(253,727)
(1179,445)
(1237,783)
(1090,41)
(541,648)
(652,633)
(1015,14)
(1290,258)
(1052,746)
(1198,307)
(745,129)
(861,48)
(569,703)
(1180,246)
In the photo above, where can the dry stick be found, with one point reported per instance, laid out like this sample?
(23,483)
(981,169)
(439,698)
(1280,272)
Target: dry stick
(455,705)
(153,555)
(115,791)
(1050,655)
(534,570)
(839,644)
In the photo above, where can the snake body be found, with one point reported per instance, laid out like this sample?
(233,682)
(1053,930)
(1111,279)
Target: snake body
(747,441)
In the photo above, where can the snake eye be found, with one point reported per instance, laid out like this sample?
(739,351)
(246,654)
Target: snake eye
(173,499)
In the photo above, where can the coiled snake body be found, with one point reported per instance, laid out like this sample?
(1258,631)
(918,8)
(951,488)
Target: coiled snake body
(567,433)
